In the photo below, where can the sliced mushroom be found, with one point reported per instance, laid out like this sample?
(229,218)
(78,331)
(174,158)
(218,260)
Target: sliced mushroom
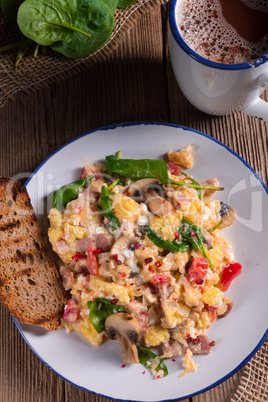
(137,189)
(158,205)
(227,214)
(127,331)
(228,309)
(121,245)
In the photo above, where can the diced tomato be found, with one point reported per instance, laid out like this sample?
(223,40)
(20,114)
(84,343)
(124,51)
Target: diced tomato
(229,274)
(198,270)
(92,262)
(174,169)
(71,312)
(159,279)
(78,257)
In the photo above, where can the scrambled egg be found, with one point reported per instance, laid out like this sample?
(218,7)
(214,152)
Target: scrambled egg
(156,253)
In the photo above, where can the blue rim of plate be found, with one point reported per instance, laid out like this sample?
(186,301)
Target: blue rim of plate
(177,36)
(148,123)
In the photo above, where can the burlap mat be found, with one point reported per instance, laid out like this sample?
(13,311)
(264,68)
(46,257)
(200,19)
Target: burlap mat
(253,386)
(46,68)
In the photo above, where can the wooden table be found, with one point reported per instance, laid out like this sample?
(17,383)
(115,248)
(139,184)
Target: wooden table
(136,83)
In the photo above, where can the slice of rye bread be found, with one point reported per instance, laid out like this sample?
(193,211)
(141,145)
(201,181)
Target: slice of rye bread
(30,285)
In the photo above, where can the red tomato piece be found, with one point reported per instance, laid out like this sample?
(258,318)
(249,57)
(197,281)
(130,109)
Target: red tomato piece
(229,274)
(198,270)
(92,262)
(174,169)
(159,279)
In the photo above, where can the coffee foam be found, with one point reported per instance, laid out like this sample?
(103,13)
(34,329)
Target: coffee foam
(205,30)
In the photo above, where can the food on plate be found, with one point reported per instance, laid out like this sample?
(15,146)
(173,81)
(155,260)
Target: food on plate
(143,257)
(30,286)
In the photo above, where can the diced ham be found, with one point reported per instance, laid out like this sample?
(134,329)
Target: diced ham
(67,277)
(90,171)
(207,194)
(103,241)
(174,169)
(92,262)
(177,199)
(139,311)
(83,244)
(61,247)
(200,345)
(71,312)
(165,290)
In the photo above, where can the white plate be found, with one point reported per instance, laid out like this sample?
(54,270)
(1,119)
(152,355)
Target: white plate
(237,336)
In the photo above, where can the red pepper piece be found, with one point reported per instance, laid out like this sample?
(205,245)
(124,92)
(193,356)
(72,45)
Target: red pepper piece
(92,262)
(229,274)
(159,279)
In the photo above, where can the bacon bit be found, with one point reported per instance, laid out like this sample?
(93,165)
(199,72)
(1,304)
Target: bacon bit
(176,235)
(137,246)
(160,279)
(97,251)
(173,360)
(158,264)
(193,234)
(123,365)
(123,274)
(143,372)
(151,270)
(127,193)
(78,257)
(212,343)
(148,260)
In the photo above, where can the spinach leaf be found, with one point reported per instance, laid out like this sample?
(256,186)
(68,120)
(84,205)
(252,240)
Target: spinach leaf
(174,247)
(96,17)
(195,238)
(67,193)
(10,9)
(48,21)
(106,206)
(137,169)
(125,3)
(99,310)
(147,358)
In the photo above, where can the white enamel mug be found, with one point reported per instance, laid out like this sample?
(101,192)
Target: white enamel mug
(216,88)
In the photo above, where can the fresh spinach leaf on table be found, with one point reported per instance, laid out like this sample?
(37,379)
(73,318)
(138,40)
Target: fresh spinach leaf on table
(49,21)
(125,3)
(96,17)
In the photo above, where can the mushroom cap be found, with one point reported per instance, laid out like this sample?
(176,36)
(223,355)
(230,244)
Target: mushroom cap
(227,214)
(138,188)
(127,330)
(157,204)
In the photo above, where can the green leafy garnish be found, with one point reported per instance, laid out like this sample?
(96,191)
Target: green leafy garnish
(148,358)
(99,310)
(125,3)
(216,226)
(193,235)
(67,193)
(174,246)
(106,205)
(198,190)
(137,169)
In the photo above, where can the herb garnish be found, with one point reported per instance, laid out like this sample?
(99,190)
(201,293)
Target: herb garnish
(106,205)
(147,359)
(67,193)
(99,310)
(137,169)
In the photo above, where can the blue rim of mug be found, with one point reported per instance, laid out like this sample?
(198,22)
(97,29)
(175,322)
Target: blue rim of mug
(209,63)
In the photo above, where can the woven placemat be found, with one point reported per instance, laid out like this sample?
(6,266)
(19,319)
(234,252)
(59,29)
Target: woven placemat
(46,68)
(253,386)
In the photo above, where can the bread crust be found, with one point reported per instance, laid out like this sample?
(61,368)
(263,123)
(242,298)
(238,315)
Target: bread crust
(30,285)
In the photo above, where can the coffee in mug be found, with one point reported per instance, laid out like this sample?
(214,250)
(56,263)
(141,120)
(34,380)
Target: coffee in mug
(225,31)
